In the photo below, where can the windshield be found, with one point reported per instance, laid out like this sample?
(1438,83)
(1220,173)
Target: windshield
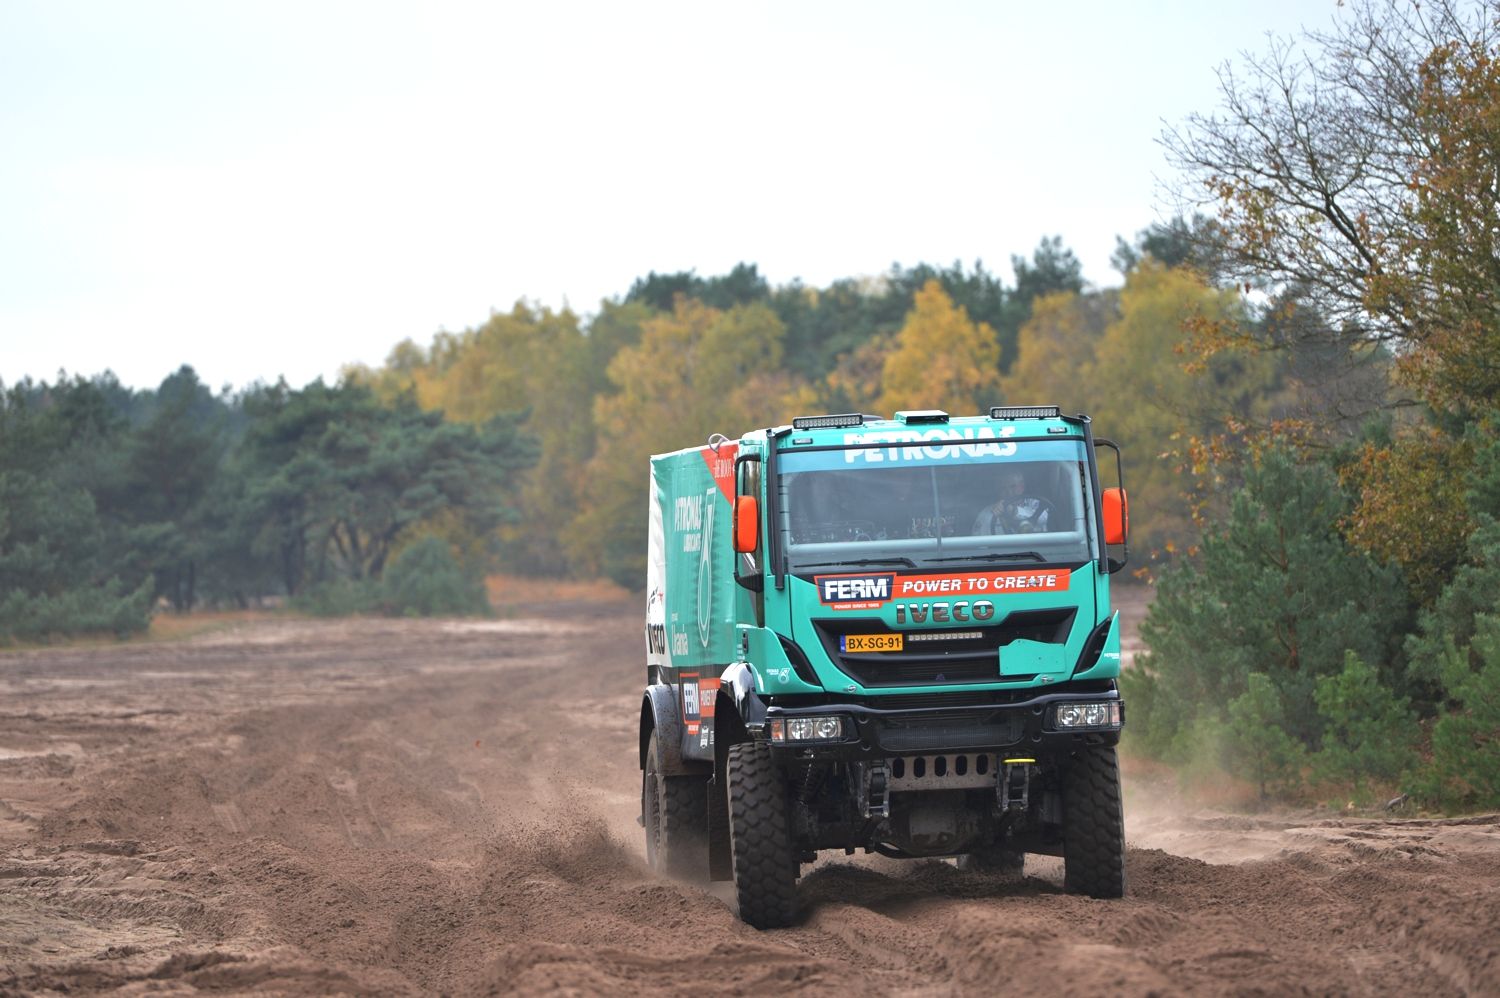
(936,506)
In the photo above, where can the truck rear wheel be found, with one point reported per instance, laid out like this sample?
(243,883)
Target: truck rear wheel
(1093,824)
(674,810)
(760,838)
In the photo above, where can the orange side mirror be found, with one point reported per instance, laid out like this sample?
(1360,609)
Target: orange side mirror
(746,524)
(1116,516)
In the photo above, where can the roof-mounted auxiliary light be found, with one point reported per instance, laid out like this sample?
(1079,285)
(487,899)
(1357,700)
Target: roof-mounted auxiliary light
(828,422)
(910,416)
(1025,412)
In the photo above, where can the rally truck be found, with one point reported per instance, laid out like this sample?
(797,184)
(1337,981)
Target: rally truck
(884,635)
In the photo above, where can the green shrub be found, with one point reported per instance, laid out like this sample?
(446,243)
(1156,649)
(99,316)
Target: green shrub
(1274,590)
(1368,732)
(1258,746)
(426,580)
(340,598)
(1465,768)
(1150,728)
(102,609)
(51,570)
(1474,590)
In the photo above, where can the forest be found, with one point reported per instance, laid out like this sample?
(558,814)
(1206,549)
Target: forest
(1302,364)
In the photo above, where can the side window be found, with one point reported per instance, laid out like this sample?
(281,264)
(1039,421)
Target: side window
(747,502)
(749,480)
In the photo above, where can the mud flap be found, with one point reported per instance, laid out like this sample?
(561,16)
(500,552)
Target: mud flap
(720,864)
(737,692)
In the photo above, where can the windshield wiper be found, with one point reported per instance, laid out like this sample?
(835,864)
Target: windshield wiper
(996,556)
(863,561)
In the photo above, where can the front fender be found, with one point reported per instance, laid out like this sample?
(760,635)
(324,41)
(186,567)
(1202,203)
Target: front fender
(739,680)
(1100,658)
(739,709)
(659,713)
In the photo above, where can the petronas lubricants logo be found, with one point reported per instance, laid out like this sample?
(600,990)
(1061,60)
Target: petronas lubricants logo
(705,570)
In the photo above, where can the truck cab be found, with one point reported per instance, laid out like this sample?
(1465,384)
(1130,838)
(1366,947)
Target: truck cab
(884,635)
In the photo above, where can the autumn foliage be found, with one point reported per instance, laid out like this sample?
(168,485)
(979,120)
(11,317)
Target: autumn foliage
(1351,176)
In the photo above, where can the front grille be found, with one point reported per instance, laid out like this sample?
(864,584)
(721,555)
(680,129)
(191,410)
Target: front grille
(940,662)
(926,701)
(924,671)
(918,734)
(954,698)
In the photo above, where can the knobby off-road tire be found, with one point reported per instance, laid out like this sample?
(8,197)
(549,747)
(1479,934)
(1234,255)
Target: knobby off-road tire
(1093,824)
(675,812)
(760,838)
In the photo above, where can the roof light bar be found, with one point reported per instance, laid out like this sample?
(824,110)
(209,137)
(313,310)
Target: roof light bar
(1025,412)
(828,422)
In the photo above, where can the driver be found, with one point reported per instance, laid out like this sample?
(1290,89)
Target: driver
(1013,511)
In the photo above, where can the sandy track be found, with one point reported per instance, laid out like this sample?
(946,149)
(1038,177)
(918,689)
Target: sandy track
(417,807)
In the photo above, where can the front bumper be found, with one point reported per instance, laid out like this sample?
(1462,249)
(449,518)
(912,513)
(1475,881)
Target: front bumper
(1027,726)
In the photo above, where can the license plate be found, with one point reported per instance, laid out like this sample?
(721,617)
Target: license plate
(871,642)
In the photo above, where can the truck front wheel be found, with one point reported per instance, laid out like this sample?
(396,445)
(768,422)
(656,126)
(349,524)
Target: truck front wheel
(760,838)
(674,810)
(1093,824)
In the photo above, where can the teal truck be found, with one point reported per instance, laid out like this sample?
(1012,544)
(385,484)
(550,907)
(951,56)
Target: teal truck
(888,635)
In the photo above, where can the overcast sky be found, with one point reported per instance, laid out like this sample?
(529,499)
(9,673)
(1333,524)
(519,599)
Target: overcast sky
(280,188)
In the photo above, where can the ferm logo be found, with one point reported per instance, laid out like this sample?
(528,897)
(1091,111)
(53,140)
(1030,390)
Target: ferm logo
(848,592)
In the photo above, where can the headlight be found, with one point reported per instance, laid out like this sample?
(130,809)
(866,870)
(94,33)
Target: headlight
(807,729)
(1073,716)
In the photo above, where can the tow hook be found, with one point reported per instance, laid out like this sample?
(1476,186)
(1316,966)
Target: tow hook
(875,789)
(1013,789)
